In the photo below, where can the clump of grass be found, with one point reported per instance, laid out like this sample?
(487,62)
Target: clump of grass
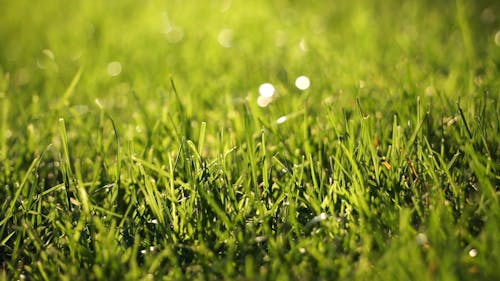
(385,167)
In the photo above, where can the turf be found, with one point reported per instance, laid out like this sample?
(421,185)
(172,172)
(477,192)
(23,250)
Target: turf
(132,146)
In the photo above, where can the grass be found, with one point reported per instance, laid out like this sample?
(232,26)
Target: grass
(132,146)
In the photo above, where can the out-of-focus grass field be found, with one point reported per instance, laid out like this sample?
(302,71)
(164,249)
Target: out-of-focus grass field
(133,146)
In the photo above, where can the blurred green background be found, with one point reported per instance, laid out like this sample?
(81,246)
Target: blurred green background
(336,43)
(126,54)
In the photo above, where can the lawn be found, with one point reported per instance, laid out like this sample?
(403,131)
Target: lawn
(249,140)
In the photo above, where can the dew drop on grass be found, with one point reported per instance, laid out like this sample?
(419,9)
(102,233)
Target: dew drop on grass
(266,90)
(302,82)
(114,68)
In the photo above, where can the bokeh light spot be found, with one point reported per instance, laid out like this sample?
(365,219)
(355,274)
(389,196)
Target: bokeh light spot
(263,101)
(114,68)
(421,239)
(49,54)
(473,253)
(266,90)
(430,91)
(497,38)
(225,38)
(281,120)
(303,45)
(302,82)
